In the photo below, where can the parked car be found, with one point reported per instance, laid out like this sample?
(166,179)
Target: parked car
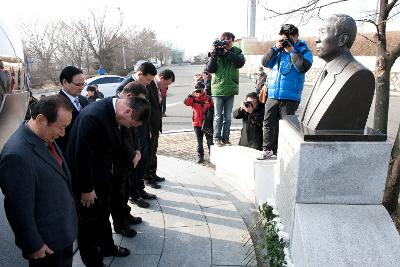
(156,64)
(107,84)
(140,62)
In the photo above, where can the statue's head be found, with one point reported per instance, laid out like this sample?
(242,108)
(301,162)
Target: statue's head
(336,36)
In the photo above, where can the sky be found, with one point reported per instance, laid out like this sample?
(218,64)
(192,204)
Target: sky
(191,25)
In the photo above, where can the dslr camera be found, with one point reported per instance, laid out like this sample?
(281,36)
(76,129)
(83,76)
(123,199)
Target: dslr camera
(287,30)
(248,104)
(220,46)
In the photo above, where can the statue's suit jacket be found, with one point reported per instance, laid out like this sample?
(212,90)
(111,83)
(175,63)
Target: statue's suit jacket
(39,200)
(341,100)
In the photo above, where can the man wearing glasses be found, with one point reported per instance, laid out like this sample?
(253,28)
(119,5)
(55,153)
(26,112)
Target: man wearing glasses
(72,81)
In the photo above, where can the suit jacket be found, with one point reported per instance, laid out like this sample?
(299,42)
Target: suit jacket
(39,200)
(341,100)
(94,141)
(62,141)
(156,114)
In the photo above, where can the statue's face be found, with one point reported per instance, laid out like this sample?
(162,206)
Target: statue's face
(327,42)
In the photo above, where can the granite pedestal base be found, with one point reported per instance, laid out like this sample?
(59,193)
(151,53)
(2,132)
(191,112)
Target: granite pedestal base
(337,177)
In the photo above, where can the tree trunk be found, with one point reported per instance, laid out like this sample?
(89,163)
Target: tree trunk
(382,94)
(391,194)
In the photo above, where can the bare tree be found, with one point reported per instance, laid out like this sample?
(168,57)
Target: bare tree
(73,46)
(386,56)
(42,41)
(143,44)
(102,37)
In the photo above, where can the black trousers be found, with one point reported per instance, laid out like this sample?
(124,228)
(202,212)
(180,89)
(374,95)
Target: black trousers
(137,180)
(164,104)
(120,209)
(137,177)
(60,258)
(199,136)
(151,167)
(274,110)
(95,232)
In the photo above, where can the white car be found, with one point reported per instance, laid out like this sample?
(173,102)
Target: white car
(140,62)
(108,84)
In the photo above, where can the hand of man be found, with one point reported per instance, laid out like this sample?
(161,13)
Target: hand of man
(279,44)
(87,199)
(242,107)
(41,253)
(249,109)
(136,158)
(289,49)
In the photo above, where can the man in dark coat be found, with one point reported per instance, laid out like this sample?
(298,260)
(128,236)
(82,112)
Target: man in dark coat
(94,141)
(39,201)
(72,81)
(252,113)
(162,80)
(124,179)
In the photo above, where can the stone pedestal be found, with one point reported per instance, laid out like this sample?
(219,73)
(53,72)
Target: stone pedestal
(253,178)
(325,178)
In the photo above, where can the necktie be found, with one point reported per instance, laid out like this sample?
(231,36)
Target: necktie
(54,153)
(324,73)
(77,105)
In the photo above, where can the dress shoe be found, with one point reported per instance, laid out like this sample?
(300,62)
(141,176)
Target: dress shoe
(146,195)
(134,220)
(125,231)
(158,178)
(141,203)
(152,184)
(200,160)
(116,251)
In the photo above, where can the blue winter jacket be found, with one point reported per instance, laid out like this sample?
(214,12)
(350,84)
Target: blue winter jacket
(286,80)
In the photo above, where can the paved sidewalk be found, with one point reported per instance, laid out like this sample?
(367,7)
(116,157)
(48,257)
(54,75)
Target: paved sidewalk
(193,222)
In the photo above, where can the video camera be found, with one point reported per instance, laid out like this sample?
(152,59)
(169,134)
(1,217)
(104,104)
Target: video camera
(220,46)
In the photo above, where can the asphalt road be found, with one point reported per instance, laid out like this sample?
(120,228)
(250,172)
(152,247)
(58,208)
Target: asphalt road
(179,116)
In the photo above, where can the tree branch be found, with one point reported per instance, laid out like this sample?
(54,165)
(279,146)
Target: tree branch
(391,5)
(310,6)
(367,38)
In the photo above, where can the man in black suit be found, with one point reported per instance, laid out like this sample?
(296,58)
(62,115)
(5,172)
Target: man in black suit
(161,81)
(39,201)
(124,165)
(145,74)
(72,81)
(94,141)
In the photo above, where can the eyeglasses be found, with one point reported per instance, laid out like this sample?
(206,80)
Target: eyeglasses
(79,84)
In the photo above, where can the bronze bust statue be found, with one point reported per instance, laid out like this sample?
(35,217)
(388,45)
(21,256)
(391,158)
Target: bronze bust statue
(342,96)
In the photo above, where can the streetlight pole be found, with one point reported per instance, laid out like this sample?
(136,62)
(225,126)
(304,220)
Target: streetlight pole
(123,47)
(123,55)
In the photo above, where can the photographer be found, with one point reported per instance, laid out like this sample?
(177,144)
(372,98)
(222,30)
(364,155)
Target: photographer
(251,112)
(225,62)
(289,60)
(200,103)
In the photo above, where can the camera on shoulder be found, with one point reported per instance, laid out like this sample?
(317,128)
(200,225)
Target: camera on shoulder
(220,46)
